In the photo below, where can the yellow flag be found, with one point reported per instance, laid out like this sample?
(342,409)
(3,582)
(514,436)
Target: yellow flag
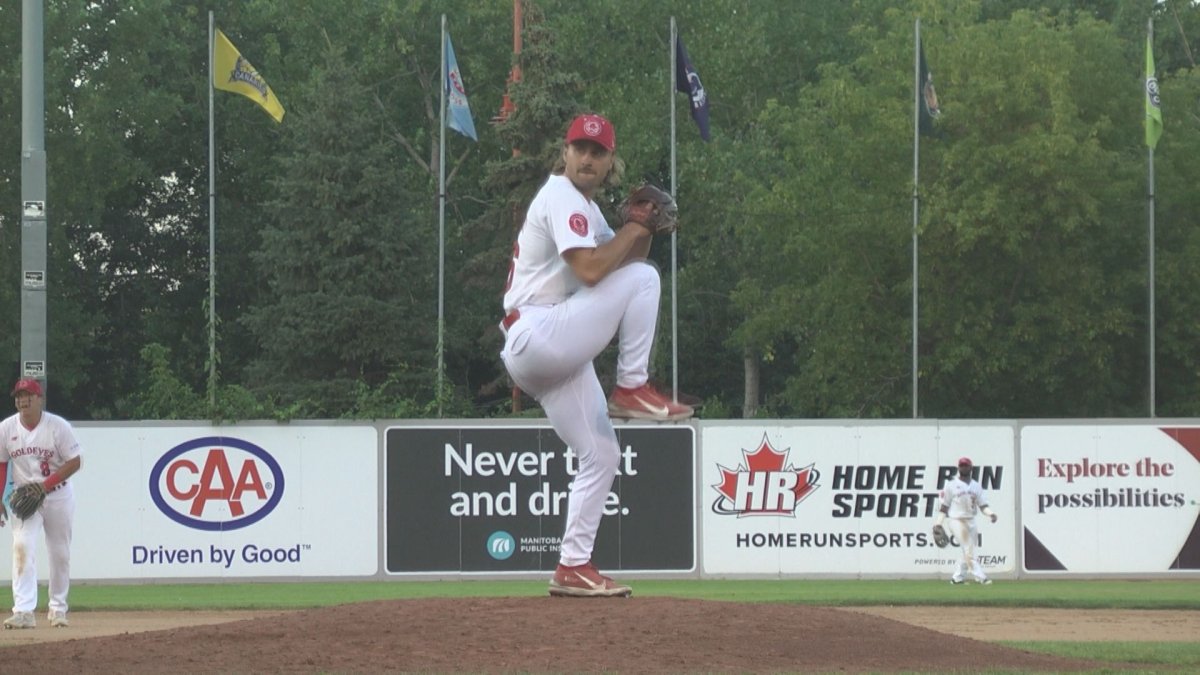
(232,72)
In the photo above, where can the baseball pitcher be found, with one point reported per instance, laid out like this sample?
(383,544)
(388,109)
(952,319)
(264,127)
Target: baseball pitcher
(574,283)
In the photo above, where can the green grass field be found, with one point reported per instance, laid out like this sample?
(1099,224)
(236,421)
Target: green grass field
(1079,594)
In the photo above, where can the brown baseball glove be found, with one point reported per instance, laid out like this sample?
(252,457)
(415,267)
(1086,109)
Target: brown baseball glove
(26,499)
(651,207)
(940,537)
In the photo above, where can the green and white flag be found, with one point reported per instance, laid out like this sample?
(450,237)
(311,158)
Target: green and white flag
(1154,123)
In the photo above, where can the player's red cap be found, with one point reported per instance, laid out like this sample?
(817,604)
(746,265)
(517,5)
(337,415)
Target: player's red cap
(28,385)
(965,461)
(595,128)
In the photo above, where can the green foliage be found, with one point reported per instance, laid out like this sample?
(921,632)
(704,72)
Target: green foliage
(545,101)
(163,395)
(1173,655)
(795,257)
(1027,283)
(343,310)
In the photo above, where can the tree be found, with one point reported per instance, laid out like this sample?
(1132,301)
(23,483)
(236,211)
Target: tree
(342,299)
(1032,295)
(795,255)
(533,132)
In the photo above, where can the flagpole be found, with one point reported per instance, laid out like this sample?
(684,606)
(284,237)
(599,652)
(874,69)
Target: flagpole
(674,250)
(1150,243)
(212,228)
(915,200)
(441,224)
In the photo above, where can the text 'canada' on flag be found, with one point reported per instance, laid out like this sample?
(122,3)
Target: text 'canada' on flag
(232,72)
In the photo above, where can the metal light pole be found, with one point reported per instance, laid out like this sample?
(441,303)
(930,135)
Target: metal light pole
(33,193)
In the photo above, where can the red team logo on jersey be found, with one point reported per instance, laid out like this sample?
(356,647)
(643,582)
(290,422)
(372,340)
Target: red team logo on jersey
(578,223)
(764,485)
(216,483)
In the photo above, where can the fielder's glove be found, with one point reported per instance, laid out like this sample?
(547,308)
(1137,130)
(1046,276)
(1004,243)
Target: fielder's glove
(26,499)
(651,208)
(940,537)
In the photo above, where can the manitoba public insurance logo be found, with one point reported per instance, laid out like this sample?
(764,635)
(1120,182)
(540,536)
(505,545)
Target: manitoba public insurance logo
(500,545)
(764,484)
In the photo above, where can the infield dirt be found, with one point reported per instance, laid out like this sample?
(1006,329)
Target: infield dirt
(571,635)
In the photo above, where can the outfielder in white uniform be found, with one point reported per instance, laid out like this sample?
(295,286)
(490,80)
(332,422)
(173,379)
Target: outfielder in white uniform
(961,499)
(39,446)
(572,285)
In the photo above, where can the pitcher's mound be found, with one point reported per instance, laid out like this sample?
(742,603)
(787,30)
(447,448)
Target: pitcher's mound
(539,634)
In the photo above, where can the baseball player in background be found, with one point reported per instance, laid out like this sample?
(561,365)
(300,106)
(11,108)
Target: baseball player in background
(961,499)
(573,284)
(36,445)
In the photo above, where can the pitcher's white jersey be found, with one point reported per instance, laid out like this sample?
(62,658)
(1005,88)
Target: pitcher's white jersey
(34,454)
(964,499)
(560,218)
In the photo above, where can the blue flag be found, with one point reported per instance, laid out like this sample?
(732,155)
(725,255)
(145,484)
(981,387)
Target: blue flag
(456,95)
(687,80)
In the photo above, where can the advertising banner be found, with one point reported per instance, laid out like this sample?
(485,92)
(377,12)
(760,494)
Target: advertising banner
(847,500)
(1110,499)
(199,502)
(494,499)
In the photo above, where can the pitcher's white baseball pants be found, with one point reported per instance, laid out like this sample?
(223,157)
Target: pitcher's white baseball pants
(549,353)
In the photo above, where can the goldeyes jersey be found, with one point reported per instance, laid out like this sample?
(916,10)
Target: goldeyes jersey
(560,218)
(34,454)
(964,499)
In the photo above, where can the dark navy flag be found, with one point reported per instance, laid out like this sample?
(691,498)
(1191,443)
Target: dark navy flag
(928,109)
(687,80)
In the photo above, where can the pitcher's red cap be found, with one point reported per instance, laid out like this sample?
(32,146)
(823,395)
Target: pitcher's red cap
(594,128)
(965,461)
(28,385)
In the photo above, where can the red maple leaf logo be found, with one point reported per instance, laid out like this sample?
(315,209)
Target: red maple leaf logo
(764,484)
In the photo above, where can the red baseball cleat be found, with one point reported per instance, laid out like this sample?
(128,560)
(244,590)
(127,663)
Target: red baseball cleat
(585,581)
(646,403)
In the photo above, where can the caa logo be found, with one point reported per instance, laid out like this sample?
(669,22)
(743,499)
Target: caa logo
(216,483)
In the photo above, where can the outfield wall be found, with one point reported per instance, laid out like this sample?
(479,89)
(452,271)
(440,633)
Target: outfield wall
(411,499)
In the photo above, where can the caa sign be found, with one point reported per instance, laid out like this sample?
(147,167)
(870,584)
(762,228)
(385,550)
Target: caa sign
(216,483)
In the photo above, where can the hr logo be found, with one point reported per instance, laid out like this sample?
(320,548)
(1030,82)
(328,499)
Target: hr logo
(764,484)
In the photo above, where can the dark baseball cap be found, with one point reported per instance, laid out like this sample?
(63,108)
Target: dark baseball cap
(965,461)
(593,128)
(27,385)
